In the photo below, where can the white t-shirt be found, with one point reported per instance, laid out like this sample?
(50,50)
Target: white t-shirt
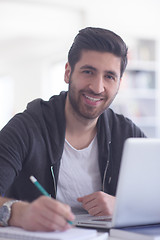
(79,173)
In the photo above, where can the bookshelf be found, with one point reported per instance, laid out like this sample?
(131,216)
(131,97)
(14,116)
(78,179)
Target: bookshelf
(139,95)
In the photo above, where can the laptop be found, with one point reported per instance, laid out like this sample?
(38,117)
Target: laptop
(138,189)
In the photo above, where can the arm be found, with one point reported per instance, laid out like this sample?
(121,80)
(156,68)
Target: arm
(43,214)
(98,203)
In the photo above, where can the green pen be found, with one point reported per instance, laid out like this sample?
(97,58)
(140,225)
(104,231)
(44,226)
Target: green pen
(43,191)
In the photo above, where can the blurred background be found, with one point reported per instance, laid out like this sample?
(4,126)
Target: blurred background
(35,36)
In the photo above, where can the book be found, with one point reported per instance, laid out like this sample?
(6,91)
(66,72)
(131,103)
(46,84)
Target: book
(114,238)
(70,234)
(148,232)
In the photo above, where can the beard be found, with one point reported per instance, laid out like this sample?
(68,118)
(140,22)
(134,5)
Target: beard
(83,110)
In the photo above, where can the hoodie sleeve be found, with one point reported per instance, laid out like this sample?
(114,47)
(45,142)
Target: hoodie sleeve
(16,141)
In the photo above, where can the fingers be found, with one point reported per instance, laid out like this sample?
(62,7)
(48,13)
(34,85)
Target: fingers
(80,199)
(59,212)
(88,200)
(98,203)
(46,214)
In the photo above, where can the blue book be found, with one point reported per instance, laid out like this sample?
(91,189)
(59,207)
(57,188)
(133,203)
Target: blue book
(148,232)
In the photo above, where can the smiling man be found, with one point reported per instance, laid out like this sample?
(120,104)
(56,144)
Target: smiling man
(72,143)
(97,77)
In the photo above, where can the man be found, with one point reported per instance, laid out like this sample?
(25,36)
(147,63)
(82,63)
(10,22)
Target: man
(72,143)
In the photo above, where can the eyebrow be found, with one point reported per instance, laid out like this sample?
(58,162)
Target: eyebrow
(89,67)
(95,69)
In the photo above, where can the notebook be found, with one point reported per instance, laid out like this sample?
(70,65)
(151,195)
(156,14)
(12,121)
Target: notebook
(138,194)
(70,234)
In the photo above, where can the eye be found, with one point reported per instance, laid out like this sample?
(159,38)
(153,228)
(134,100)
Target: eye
(88,72)
(111,77)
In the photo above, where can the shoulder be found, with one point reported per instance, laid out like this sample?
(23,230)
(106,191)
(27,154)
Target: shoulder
(119,124)
(38,114)
(38,105)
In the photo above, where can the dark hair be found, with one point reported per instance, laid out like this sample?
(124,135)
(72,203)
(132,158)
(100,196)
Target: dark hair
(97,39)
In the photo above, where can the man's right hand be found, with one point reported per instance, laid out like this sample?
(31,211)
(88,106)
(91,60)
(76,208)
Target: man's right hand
(43,214)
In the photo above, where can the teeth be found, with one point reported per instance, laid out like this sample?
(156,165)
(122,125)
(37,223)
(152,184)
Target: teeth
(93,99)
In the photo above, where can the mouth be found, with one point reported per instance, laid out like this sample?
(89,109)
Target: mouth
(92,101)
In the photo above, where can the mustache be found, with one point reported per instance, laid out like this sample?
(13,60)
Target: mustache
(92,93)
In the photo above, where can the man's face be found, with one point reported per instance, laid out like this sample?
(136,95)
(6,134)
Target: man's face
(94,83)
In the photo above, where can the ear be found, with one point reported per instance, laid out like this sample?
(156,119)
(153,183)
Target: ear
(120,81)
(119,84)
(67,72)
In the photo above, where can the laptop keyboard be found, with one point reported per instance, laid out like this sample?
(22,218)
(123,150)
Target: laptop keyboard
(102,218)
(86,217)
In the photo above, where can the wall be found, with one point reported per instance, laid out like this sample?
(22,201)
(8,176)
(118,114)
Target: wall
(36,34)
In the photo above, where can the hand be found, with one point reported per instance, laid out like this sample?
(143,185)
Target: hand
(43,214)
(98,203)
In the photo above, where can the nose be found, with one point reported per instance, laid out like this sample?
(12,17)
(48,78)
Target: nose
(97,85)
